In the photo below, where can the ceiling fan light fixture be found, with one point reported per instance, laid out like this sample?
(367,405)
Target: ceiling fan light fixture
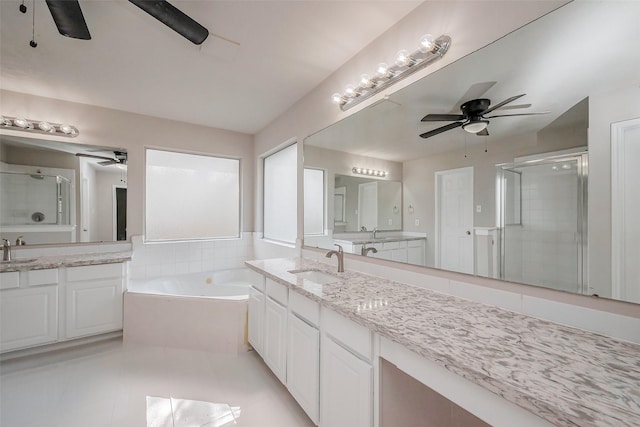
(476,126)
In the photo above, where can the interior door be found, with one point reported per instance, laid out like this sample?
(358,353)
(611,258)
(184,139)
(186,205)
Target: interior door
(368,205)
(454,220)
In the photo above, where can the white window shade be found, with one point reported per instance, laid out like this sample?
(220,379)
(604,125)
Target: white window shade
(314,201)
(281,195)
(190,196)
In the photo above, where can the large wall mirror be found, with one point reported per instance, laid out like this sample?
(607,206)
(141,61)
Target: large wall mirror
(54,192)
(530,199)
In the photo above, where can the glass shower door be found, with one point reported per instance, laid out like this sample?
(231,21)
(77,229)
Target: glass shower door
(543,215)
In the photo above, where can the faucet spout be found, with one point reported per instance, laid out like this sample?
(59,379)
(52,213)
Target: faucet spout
(375,230)
(340,255)
(364,251)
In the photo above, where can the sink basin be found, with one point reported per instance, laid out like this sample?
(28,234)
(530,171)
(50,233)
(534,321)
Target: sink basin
(316,276)
(18,261)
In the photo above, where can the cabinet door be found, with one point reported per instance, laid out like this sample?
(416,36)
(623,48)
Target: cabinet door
(275,338)
(303,365)
(399,255)
(28,317)
(346,388)
(415,255)
(256,319)
(93,307)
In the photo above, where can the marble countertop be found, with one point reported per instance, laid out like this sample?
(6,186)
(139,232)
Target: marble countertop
(40,263)
(567,376)
(359,241)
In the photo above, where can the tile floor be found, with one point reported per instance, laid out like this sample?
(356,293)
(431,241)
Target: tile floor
(111,384)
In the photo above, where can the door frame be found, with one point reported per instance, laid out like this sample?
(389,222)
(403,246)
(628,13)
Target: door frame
(437,240)
(618,171)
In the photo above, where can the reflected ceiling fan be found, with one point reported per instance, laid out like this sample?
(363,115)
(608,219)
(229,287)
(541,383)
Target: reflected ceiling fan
(473,118)
(119,158)
(69,19)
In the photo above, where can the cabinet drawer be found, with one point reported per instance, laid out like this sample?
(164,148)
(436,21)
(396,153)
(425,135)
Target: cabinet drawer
(256,280)
(415,243)
(48,276)
(351,335)
(92,272)
(305,308)
(9,280)
(277,291)
(390,245)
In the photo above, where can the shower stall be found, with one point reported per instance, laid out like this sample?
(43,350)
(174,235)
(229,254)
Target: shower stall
(543,221)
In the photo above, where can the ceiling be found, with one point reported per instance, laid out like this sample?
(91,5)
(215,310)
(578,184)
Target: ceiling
(557,61)
(260,58)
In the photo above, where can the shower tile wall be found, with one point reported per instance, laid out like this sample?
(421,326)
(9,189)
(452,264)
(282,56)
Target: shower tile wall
(167,259)
(547,239)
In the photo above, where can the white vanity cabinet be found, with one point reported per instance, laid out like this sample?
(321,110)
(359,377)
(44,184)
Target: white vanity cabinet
(28,310)
(275,329)
(256,312)
(93,299)
(346,373)
(303,354)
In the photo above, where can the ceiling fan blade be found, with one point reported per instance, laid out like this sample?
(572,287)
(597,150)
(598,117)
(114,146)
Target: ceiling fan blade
(69,19)
(483,132)
(440,130)
(95,157)
(175,19)
(108,162)
(442,117)
(515,107)
(505,102)
(521,114)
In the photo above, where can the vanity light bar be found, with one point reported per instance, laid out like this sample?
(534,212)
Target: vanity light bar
(38,126)
(370,172)
(406,64)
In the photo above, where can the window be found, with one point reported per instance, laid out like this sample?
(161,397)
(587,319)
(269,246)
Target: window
(313,201)
(281,195)
(191,196)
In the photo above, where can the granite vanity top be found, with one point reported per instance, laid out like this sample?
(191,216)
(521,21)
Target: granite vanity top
(567,376)
(41,263)
(360,241)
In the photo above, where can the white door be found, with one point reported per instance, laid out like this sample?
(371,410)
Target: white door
(454,220)
(346,388)
(303,365)
(368,205)
(625,209)
(275,338)
(256,318)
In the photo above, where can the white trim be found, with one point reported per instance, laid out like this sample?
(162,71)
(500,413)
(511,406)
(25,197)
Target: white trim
(438,175)
(618,231)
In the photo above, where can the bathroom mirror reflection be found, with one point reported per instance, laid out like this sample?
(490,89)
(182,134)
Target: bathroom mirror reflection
(54,192)
(534,201)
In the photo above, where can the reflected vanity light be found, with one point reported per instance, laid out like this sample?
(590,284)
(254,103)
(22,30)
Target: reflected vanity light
(38,126)
(406,63)
(369,172)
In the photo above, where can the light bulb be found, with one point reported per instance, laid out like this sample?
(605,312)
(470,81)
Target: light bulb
(359,170)
(403,59)
(22,123)
(427,43)
(383,70)
(4,121)
(350,91)
(365,81)
(46,126)
(336,98)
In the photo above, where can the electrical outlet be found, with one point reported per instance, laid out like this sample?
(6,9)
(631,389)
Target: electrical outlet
(478,208)
(417,222)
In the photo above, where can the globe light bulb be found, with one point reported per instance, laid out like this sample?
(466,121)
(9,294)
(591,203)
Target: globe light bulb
(336,98)
(383,70)
(350,91)
(24,124)
(403,59)
(365,81)
(427,43)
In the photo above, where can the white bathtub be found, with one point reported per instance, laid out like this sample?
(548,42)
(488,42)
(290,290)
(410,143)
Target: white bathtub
(200,311)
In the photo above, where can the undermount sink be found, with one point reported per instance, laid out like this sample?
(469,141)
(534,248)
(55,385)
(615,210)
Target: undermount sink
(316,276)
(18,261)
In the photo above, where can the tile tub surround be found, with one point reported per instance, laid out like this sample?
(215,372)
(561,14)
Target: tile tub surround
(567,376)
(44,262)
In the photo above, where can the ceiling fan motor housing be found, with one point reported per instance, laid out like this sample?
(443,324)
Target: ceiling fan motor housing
(474,108)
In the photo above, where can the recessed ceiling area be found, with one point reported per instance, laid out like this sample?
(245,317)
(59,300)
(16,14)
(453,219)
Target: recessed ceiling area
(260,58)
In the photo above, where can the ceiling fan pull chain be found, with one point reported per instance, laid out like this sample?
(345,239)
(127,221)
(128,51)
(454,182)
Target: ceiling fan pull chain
(33,43)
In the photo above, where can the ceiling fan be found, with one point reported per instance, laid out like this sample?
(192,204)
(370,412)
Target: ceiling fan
(119,158)
(70,21)
(473,118)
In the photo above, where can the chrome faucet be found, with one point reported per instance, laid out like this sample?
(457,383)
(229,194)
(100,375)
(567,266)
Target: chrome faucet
(375,230)
(340,255)
(364,251)
(6,250)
